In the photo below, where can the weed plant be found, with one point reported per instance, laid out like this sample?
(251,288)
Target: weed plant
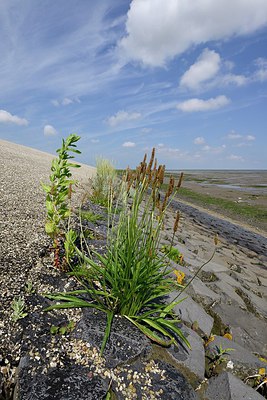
(259,381)
(18,307)
(173,254)
(131,279)
(58,194)
(215,359)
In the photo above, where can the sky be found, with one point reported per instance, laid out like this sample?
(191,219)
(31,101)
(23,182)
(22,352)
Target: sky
(186,77)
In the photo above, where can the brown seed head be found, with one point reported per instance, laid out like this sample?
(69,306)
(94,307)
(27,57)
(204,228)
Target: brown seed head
(176,222)
(144,159)
(161,171)
(180,180)
(155,165)
(149,167)
(171,186)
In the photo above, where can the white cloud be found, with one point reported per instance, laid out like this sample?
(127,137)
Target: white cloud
(206,148)
(171,27)
(261,73)
(238,80)
(205,68)
(73,64)
(6,117)
(94,140)
(234,157)
(128,144)
(233,136)
(66,101)
(55,103)
(208,69)
(199,140)
(123,116)
(193,105)
(49,130)
(250,138)
(214,150)
(146,130)
(172,153)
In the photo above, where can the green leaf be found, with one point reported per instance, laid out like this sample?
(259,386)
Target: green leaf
(46,188)
(54,330)
(50,228)
(171,325)
(110,316)
(170,306)
(74,165)
(151,334)
(63,330)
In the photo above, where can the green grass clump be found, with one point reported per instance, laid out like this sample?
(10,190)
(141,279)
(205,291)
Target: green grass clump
(131,279)
(103,182)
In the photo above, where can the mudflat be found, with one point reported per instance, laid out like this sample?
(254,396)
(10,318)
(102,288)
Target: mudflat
(240,195)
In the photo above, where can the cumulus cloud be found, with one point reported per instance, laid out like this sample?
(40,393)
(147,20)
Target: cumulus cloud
(128,144)
(49,130)
(209,69)
(171,27)
(194,105)
(123,116)
(6,117)
(205,68)
(199,140)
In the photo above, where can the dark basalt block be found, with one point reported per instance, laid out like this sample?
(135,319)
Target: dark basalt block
(126,342)
(69,383)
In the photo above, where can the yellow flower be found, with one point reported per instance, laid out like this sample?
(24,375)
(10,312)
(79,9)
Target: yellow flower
(228,336)
(262,371)
(210,339)
(180,276)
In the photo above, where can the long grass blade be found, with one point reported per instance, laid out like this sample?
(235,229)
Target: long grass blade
(110,316)
(151,334)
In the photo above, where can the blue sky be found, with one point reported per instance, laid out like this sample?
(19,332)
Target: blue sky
(188,78)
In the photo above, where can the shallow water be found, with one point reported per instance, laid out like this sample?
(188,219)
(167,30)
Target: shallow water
(257,190)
